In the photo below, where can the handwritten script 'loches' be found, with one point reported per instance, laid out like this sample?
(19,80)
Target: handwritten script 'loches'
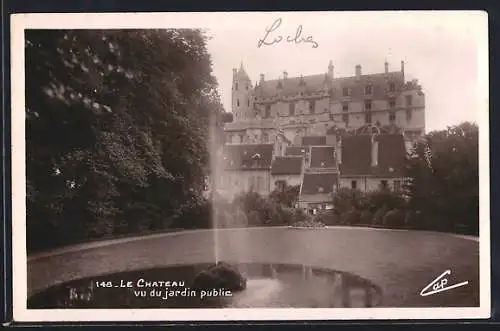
(270,39)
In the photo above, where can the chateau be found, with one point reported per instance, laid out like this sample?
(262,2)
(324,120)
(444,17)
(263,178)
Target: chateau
(320,132)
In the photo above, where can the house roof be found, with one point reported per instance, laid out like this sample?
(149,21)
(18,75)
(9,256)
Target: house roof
(295,151)
(287,165)
(313,140)
(318,184)
(248,157)
(357,154)
(323,157)
(391,156)
(322,82)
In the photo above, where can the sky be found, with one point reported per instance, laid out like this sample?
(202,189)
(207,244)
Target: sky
(446,51)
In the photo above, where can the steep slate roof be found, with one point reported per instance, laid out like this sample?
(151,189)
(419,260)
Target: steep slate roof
(248,157)
(323,157)
(287,165)
(292,85)
(321,82)
(391,155)
(313,140)
(318,184)
(295,151)
(356,156)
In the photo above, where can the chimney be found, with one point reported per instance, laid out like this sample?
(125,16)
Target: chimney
(386,67)
(374,151)
(358,71)
(403,67)
(285,75)
(261,78)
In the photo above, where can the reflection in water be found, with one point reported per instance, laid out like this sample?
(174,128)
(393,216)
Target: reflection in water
(269,285)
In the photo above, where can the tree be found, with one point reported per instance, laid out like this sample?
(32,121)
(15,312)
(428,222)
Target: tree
(285,194)
(105,112)
(444,177)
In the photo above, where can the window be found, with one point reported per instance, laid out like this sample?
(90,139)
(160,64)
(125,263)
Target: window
(345,119)
(345,106)
(242,137)
(408,100)
(268,111)
(291,109)
(383,184)
(312,104)
(237,102)
(392,116)
(408,115)
(368,89)
(368,105)
(247,87)
(265,137)
(354,184)
(248,102)
(236,86)
(392,87)
(368,117)
(345,91)
(392,103)
(397,185)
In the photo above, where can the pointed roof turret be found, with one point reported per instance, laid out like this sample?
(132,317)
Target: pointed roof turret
(242,73)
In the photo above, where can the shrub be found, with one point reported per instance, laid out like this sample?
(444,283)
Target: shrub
(346,199)
(384,198)
(330,217)
(299,215)
(351,217)
(394,218)
(378,217)
(414,219)
(254,218)
(366,217)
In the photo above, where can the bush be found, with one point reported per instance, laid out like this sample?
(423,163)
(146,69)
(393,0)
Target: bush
(351,217)
(378,217)
(347,199)
(394,218)
(365,217)
(414,220)
(384,198)
(329,217)
(299,216)
(254,218)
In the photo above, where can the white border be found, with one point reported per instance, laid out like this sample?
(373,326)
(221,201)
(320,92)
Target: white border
(478,20)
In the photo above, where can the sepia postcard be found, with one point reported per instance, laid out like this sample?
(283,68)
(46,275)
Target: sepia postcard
(250,166)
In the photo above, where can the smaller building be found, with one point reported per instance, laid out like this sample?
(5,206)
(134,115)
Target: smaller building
(316,192)
(287,169)
(245,168)
(372,162)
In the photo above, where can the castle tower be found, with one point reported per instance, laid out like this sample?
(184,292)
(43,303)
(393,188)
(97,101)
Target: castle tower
(242,103)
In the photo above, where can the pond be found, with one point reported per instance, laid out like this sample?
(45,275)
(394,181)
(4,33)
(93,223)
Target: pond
(268,286)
